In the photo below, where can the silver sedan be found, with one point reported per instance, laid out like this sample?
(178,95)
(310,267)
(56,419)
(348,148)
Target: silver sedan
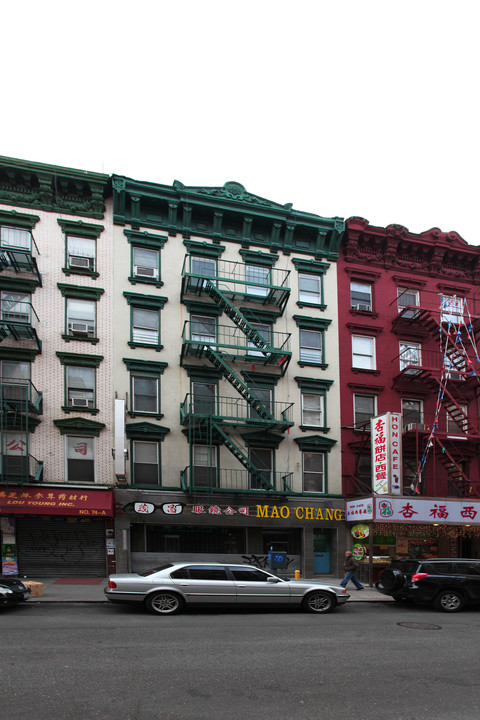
(168,589)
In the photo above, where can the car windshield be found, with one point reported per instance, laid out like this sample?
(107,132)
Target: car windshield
(155,570)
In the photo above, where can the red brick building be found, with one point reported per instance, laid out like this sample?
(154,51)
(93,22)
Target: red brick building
(409,323)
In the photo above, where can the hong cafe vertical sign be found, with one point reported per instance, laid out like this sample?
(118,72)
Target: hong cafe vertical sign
(387,453)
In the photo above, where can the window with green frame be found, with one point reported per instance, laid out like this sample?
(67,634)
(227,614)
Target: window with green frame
(311,340)
(80,381)
(310,282)
(80,247)
(145,396)
(80,312)
(145,453)
(145,320)
(145,259)
(313,396)
(314,450)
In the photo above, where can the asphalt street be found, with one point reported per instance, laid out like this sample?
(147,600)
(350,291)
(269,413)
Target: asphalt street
(365,660)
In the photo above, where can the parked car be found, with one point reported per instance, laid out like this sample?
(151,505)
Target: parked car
(448,583)
(170,588)
(12,591)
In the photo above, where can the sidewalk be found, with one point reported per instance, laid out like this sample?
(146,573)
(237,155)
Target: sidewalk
(90,590)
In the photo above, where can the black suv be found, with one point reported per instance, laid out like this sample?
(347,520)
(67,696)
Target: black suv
(448,583)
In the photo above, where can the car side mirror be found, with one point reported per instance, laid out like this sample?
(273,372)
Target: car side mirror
(271,579)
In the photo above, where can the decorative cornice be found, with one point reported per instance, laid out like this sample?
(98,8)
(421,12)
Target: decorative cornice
(79,426)
(314,267)
(80,291)
(314,443)
(13,218)
(135,365)
(155,302)
(311,323)
(52,188)
(145,431)
(314,384)
(256,257)
(80,359)
(80,228)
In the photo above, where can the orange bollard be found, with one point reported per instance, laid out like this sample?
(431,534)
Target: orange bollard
(297,574)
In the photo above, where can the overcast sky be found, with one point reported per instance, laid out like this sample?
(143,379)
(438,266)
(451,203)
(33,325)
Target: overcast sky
(361,107)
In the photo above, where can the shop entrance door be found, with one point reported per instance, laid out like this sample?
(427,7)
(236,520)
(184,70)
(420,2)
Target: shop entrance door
(321,552)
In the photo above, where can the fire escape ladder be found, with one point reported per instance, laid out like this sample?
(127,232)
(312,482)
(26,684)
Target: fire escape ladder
(243,458)
(237,318)
(453,468)
(458,415)
(217,360)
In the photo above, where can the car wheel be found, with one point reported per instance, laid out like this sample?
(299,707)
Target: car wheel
(449,601)
(319,602)
(164,603)
(391,578)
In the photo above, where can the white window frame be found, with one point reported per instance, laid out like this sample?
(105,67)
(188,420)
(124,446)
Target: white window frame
(313,297)
(81,248)
(265,331)
(136,395)
(452,427)
(361,288)
(310,353)
(410,356)
(80,325)
(80,397)
(404,295)
(321,473)
(357,356)
(143,270)
(318,412)
(144,334)
(419,424)
(363,424)
(82,439)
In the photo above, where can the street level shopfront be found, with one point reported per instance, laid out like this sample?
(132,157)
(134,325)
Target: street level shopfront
(50,531)
(387,527)
(154,528)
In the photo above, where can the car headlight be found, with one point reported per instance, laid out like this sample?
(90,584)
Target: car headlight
(5,590)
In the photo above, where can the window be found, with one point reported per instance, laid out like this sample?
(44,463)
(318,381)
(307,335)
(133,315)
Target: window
(16,307)
(262,459)
(15,380)
(265,397)
(14,454)
(410,357)
(364,408)
(313,410)
(81,253)
(145,326)
(452,309)
(360,296)
(80,452)
(203,329)
(146,464)
(81,317)
(363,352)
(203,396)
(412,414)
(206,267)
(455,365)
(247,574)
(146,263)
(15,238)
(80,383)
(204,466)
(265,332)
(259,278)
(311,347)
(409,475)
(144,394)
(310,289)
(145,319)
(313,472)
(406,298)
(458,424)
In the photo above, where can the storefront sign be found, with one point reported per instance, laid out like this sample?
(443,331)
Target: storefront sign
(386,453)
(358,551)
(56,501)
(410,509)
(300,512)
(360,532)
(359,510)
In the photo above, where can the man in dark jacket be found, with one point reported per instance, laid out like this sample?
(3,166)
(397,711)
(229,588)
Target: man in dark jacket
(350,567)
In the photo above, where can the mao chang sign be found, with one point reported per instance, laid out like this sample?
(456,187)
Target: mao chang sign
(37,500)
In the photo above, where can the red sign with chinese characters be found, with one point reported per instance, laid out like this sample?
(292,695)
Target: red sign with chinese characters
(56,501)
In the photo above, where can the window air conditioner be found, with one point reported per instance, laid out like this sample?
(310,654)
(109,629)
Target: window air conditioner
(79,262)
(141,271)
(77,328)
(415,426)
(362,306)
(79,402)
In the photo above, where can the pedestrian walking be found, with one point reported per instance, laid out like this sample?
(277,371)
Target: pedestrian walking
(350,567)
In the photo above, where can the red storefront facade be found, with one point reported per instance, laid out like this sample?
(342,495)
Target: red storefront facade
(57,531)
